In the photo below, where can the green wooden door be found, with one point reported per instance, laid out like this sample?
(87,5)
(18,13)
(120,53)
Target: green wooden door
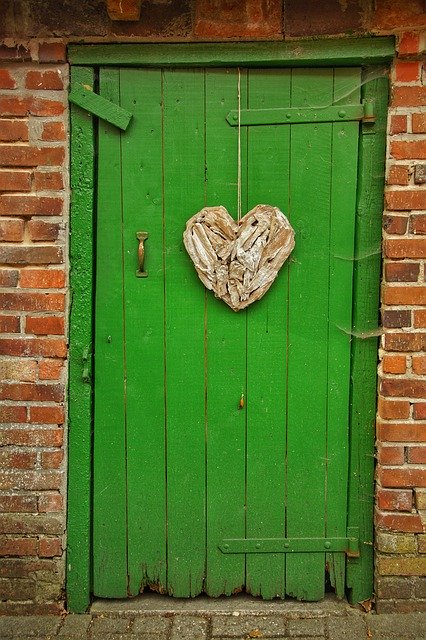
(191,492)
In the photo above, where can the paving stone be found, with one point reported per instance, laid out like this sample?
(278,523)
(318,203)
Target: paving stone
(152,624)
(394,625)
(75,625)
(241,625)
(189,628)
(347,628)
(31,626)
(117,636)
(107,625)
(308,627)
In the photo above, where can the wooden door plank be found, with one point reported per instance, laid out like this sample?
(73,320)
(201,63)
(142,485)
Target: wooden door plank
(308,333)
(226,355)
(268,183)
(343,203)
(141,92)
(185,317)
(109,472)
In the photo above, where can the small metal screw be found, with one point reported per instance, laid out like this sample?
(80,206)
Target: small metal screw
(342,114)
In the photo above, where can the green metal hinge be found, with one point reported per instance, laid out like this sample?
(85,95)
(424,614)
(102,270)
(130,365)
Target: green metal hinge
(350,546)
(85,376)
(83,96)
(295,115)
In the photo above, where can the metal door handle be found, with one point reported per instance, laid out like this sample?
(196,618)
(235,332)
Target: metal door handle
(141,236)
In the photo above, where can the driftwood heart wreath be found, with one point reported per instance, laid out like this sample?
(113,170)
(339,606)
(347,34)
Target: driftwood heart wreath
(238,261)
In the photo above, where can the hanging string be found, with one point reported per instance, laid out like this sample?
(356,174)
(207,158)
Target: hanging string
(239,149)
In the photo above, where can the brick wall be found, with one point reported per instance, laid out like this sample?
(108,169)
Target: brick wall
(33,230)
(401,428)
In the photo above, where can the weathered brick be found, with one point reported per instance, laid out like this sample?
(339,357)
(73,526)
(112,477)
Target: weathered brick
(400,566)
(394,587)
(15,181)
(42,231)
(47,347)
(394,364)
(401,432)
(15,106)
(45,325)
(30,480)
(398,174)
(52,459)
(406,522)
(13,130)
(395,500)
(391,409)
(419,365)
(6,80)
(408,96)
(32,301)
(30,205)
(418,121)
(419,411)
(41,392)
(27,437)
(23,370)
(416,455)
(48,180)
(406,477)
(17,460)
(396,318)
(396,225)
(11,230)
(50,502)
(404,341)
(18,546)
(247,19)
(14,53)
(408,43)
(46,415)
(390,455)
(18,504)
(17,589)
(420,495)
(407,71)
(418,224)
(44,80)
(402,271)
(10,324)
(52,52)
(400,387)
(405,248)
(395,542)
(405,200)
(13,413)
(31,523)
(9,277)
(49,547)
(42,279)
(53,131)
(408,150)
(419,318)
(50,369)
(39,254)
(398,124)
(23,156)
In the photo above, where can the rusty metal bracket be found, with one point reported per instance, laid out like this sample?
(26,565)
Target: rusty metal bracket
(349,546)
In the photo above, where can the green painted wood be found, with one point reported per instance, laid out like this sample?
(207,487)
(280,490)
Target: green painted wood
(364,351)
(269,116)
(330,52)
(80,393)
(184,115)
(109,468)
(310,184)
(226,353)
(142,176)
(84,97)
(268,182)
(347,83)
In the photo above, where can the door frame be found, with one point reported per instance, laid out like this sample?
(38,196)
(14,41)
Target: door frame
(374,55)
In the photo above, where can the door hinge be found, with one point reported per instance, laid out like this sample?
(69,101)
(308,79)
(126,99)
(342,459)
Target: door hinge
(369,117)
(349,546)
(85,376)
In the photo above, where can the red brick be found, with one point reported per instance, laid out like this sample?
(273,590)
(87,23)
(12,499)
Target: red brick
(42,231)
(10,324)
(398,174)
(408,43)
(51,459)
(46,347)
(15,53)
(30,205)
(14,546)
(419,318)
(250,18)
(46,415)
(52,52)
(17,459)
(394,364)
(396,225)
(18,504)
(395,500)
(32,437)
(13,130)
(390,409)
(13,413)
(30,480)
(38,254)
(46,80)
(398,124)
(15,181)
(53,131)
(42,279)
(9,277)
(32,301)
(405,248)
(48,181)
(407,71)
(418,224)
(14,106)
(419,365)
(6,80)
(45,325)
(408,150)
(50,503)
(403,388)
(406,477)
(408,96)
(407,522)
(23,156)
(404,295)
(416,455)
(390,455)
(406,200)
(11,230)
(401,432)
(50,369)
(405,341)
(418,122)
(419,411)
(19,369)
(396,318)
(49,547)
(28,391)
(402,271)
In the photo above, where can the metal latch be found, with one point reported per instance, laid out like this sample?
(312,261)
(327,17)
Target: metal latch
(350,546)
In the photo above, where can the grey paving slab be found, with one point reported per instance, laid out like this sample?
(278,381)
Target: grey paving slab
(308,627)
(31,626)
(243,624)
(393,625)
(156,624)
(108,624)
(347,628)
(189,628)
(75,625)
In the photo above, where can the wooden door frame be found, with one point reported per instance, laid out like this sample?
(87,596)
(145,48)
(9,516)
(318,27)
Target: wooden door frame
(373,54)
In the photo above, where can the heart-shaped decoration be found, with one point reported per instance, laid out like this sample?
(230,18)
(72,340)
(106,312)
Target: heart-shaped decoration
(238,262)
